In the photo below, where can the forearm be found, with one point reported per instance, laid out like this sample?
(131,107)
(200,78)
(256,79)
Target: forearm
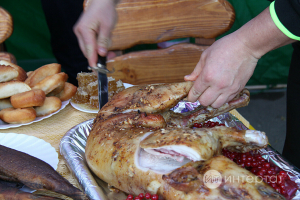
(261,35)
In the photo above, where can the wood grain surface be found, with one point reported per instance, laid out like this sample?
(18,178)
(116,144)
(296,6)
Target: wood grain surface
(153,21)
(6,24)
(156,66)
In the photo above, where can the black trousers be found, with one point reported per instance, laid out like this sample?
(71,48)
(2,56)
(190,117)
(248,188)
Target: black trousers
(291,150)
(61,15)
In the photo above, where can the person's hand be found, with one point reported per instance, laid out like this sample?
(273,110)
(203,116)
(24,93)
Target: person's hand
(93,29)
(227,65)
(222,72)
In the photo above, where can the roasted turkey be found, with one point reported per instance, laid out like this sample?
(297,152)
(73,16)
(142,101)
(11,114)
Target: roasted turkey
(138,145)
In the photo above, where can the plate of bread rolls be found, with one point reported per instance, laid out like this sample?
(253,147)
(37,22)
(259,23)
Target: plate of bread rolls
(33,96)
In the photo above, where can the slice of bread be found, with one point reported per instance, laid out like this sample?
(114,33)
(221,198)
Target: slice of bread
(10,88)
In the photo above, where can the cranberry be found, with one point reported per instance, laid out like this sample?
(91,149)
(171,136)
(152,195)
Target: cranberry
(196,125)
(137,198)
(254,164)
(129,197)
(263,170)
(141,195)
(254,170)
(283,174)
(212,124)
(280,179)
(260,173)
(282,190)
(277,189)
(266,165)
(273,185)
(248,164)
(249,158)
(148,196)
(154,197)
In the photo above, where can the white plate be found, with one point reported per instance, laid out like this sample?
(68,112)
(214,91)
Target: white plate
(4,125)
(84,108)
(31,145)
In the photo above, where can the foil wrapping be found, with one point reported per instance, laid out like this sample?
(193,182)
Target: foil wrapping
(72,148)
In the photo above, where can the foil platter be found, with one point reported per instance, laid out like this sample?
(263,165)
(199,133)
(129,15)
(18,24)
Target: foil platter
(72,148)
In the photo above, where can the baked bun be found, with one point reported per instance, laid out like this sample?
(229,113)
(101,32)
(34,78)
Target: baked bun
(68,92)
(42,72)
(10,88)
(51,105)
(21,72)
(8,57)
(49,83)
(56,91)
(17,115)
(7,73)
(5,103)
(28,99)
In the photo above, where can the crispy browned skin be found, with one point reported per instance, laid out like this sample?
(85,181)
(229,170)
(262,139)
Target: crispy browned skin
(237,183)
(134,121)
(12,193)
(34,173)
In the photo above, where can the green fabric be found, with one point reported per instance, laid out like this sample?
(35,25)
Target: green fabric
(273,67)
(30,41)
(279,24)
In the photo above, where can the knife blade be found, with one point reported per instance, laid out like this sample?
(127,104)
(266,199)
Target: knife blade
(102,82)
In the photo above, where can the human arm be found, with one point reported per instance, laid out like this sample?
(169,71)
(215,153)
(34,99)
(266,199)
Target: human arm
(93,29)
(226,66)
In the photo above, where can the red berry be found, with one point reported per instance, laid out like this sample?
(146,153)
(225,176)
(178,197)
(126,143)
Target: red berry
(217,123)
(266,165)
(254,170)
(283,174)
(260,173)
(280,179)
(129,197)
(254,164)
(154,197)
(141,195)
(137,198)
(263,170)
(282,190)
(277,188)
(248,164)
(148,196)
(196,125)
(249,158)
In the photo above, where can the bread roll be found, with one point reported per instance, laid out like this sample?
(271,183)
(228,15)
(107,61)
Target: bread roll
(8,57)
(49,83)
(7,73)
(56,91)
(42,72)
(51,105)
(28,99)
(5,103)
(10,88)
(68,92)
(21,72)
(17,115)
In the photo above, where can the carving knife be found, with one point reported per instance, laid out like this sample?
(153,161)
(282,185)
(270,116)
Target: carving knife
(102,81)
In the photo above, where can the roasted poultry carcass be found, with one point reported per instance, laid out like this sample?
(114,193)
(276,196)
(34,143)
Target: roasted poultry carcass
(137,142)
